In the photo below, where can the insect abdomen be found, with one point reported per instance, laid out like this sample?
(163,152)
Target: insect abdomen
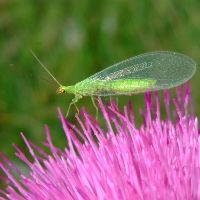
(115,87)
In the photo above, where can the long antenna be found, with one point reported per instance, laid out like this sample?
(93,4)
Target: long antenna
(44,67)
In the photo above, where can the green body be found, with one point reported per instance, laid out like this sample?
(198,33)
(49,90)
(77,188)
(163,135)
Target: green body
(147,72)
(110,87)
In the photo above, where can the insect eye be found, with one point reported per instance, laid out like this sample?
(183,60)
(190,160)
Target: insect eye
(60,91)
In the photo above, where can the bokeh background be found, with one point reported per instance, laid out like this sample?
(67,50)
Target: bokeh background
(75,39)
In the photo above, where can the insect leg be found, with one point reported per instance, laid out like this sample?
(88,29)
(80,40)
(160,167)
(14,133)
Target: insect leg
(73,102)
(110,99)
(95,105)
(117,101)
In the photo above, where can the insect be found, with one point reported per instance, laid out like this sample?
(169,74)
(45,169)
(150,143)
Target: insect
(146,72)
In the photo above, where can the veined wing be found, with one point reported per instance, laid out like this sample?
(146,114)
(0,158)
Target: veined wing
(169,69)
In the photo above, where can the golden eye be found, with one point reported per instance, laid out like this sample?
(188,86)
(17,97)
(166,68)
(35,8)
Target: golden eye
(60,91)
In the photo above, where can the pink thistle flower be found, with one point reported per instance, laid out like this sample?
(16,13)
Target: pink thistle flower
(158,160)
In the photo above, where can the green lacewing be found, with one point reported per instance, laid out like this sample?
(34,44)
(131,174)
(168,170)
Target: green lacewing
(146,72)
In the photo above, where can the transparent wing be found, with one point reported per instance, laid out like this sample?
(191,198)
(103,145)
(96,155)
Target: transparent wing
(169,69)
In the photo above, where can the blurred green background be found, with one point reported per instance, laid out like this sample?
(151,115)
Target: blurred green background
(75,39)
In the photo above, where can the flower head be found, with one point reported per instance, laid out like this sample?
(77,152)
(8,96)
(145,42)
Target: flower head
(158,160)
